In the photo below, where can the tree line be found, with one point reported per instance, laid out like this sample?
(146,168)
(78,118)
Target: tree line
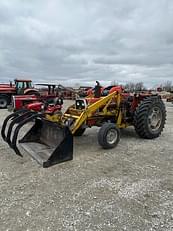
(140,86)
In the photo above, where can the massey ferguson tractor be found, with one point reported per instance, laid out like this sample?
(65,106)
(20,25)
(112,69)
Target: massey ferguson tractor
(19,87)
(49,139)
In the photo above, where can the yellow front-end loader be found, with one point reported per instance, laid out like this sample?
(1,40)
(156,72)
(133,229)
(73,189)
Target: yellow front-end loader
(50,139)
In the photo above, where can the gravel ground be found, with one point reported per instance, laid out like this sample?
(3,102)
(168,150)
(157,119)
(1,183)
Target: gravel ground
(126,188)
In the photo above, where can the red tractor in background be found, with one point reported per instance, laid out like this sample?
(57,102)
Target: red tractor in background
(47,101)
(19,87)
(103,91)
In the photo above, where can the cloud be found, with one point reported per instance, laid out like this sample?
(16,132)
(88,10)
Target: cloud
(82,41)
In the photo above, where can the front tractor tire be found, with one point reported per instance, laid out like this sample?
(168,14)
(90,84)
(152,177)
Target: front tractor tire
(150,117)
(108,136)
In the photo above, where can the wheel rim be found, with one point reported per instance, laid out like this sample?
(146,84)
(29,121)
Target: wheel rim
(3,103)
(155,119)
(111,136)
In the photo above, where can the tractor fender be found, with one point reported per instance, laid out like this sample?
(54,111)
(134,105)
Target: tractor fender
(31,92)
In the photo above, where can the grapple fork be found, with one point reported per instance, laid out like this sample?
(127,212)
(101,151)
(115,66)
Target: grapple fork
(47,142)
(8,118)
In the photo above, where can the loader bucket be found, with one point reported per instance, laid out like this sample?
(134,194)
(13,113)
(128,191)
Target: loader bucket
(47,142)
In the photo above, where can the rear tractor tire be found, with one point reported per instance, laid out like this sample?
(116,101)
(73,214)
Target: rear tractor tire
(3,102)
(108,136)
(150,117)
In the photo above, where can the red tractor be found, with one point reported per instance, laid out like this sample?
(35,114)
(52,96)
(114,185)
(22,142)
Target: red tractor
(48,100)
(19,87)
(170,98)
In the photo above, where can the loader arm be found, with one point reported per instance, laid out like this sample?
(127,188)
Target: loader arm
(91,109)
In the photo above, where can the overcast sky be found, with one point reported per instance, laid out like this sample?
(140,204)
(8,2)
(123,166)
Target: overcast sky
(80,41)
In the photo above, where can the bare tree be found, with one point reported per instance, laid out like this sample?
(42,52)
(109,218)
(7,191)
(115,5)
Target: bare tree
(130,86)
(139,86)
(167,86)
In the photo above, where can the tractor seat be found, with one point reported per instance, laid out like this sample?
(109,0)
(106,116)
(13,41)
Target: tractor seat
(58,101)
(55,101)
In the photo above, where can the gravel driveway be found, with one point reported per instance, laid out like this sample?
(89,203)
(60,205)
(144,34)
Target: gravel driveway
(126,188)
